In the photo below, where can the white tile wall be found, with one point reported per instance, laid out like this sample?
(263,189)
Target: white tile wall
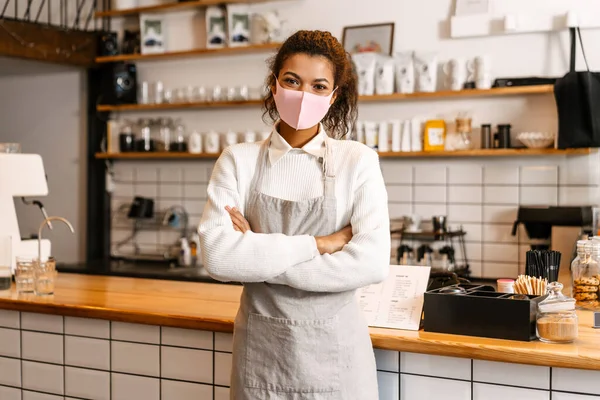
(221,393)
(187,338)
(389,386)
(501,195)
(504,174)
(223,369)
(9,319)
(135,332)
(45,347)
(135,358)
(430,194)
(42,322)
(574,380)
(89,327)
(223,341)
(87,352)
(10,372)
(8,393)
(425,364)
(87,384)
(511,374)
(387,360)
(43,377)
(496,392)
(172,390)
(400,193)
(27,395)
(10,342)
(128,387)
(463,194)
(539,175)
(539,195)
(465,174)
(414,387)
(569,396)
(186,364)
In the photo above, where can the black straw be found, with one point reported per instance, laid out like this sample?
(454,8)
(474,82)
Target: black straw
(543,264)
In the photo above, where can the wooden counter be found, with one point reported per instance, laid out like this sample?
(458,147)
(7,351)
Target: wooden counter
(213,307)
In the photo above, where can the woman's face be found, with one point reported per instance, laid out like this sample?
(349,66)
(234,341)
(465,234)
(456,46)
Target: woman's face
(313,74)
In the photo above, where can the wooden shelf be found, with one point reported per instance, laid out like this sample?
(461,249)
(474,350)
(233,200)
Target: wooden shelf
(524,90)
(421,154)
(254,48)
(170,7)
(177,106)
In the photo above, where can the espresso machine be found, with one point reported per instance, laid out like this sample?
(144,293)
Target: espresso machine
(21,175)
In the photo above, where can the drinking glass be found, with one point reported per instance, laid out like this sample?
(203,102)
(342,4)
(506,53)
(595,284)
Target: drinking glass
(45,277)
(24,274)
(5,262)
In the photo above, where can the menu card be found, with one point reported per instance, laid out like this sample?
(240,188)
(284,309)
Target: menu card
(397,302)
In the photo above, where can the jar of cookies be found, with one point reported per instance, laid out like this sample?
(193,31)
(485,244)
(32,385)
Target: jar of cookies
(557,320)
(585,274)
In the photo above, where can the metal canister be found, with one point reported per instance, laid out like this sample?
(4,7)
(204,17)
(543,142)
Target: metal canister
(486,136)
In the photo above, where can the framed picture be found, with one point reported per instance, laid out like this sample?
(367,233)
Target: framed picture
(152,30)
(238,24)
(378,38)
(216,27)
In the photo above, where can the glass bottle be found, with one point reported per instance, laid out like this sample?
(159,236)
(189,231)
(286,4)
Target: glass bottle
(165,134)
(585,274)
(145,143)
(557,320)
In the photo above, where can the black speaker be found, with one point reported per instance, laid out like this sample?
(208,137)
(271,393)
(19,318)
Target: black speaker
(119,84)
(108,44)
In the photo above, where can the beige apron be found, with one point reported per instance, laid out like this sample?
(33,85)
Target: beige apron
(291,344)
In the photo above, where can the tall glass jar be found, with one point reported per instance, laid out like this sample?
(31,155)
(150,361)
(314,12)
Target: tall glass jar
(556,318)
(585,274)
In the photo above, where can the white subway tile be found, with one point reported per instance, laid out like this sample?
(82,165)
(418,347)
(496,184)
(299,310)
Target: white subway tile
(27,395)
(399,210)
(186,364)
(135,358)
(428,174)
(42,322)
(389,385)
(500,214)
(425,388)
(146,174)
(584,170)
(430,194)
(86,352)
(399,193)
(87,384)
(45,347)
(474,252)
(576,380)
(172,390)
(10,319)
(123,189)
(170,174)
(387,360)
(221,393)
(123,172)
(444,367)
(149,238)
(539,196)
(199,173)
(172,191)
(146,190)
(396,173)
(494,270)
(9,393)
(168,237)
(569,396)
(187,338)
(223,369)
(579,195)
(138,333)
(465,194)
(464,213)
(529,376)
(501,252)
(499,233)
(495,392)
(10,342)
(426,211)
(474,231)
(129,387)
(540,175)
(43,377)
(465,174)
(195,190)
(194,207)
(90,327)
(504,174)
(223,341)
(476,268)
(501,195)
(10,372)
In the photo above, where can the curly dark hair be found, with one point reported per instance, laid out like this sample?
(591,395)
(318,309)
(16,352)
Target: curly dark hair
(343,112)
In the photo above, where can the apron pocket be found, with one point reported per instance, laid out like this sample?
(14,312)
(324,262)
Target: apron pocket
(286,355)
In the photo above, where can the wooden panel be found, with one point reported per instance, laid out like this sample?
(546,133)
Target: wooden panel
(190,53)
(50,44)
(213,307)
(170,7)
(421,154)
(176,106)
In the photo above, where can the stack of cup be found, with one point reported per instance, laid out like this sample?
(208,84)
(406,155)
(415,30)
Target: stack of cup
(480,69)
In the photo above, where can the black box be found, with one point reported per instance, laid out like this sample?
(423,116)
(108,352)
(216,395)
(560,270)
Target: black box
(481,312)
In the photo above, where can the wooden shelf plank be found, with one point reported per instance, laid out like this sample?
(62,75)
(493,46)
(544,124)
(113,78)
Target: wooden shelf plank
(420,154)
(169,7)
(177,106)
(524,90)
(254,48)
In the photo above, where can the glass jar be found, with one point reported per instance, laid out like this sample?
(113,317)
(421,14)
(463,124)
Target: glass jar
(463,131)
(585,274)
(145,143)
(556,317)
(165,134)
(180,142)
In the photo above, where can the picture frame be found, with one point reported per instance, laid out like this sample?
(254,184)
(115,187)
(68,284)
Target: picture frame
(152,34)
(378,38)
(238,25)
(216,27)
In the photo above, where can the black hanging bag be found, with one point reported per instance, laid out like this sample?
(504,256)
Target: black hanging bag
(577,97)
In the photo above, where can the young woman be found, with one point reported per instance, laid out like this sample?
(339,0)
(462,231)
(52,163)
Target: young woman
(301,219)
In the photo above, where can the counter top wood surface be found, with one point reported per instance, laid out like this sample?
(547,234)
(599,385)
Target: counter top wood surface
(213,307)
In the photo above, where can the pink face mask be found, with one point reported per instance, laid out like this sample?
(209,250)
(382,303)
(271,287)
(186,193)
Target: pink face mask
(300,110)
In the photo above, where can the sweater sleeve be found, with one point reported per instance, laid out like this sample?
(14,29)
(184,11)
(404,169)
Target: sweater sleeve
(229,255)
(365,259)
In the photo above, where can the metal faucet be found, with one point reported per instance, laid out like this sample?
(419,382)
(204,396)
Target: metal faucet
(46,223)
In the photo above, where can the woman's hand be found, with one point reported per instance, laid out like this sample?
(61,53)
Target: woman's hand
(240,223)
(334,242)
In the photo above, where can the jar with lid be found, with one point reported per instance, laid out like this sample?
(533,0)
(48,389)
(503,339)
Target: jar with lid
(126,137)
(585,274)
(180,143)
(556,317)
(145,143)
(165,134)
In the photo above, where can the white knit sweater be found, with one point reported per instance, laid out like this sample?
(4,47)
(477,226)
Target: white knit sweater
(296,174)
